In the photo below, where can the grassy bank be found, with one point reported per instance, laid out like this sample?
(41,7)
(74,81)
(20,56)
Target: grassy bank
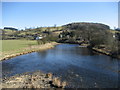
(12,48)
(106,52)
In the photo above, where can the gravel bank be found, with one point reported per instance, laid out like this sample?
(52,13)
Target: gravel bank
(33,80)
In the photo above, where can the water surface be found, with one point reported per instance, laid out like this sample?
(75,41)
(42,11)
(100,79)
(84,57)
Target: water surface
(79,66)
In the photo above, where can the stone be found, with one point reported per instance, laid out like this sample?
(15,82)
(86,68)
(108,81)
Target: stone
(34,80)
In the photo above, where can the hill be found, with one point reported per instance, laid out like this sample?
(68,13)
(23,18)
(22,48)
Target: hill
(86,26)
(53,31)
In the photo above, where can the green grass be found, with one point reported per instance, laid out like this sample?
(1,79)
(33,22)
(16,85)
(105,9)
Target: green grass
(9,45)
(17,47)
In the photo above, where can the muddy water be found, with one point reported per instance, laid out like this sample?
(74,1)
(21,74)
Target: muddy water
(79,66)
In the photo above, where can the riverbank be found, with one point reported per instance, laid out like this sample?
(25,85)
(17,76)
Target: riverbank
(103,51)
(36,79)
(30,49)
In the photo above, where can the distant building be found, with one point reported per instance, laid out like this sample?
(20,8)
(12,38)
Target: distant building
(114,36)
(38,37)
(60,36)
(118,36)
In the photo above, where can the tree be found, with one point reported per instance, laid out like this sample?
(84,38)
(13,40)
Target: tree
(3,35)
(111,43)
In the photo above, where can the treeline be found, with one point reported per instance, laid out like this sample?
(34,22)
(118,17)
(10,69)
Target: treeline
(84,32)
(86,26)
(95,35)
(11,28)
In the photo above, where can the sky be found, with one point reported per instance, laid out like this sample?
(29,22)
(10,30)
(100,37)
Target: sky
(37,14)
(119,14)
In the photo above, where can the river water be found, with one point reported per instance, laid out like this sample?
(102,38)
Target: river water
(79,66)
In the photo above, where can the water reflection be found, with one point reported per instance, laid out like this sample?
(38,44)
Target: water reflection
(42,54)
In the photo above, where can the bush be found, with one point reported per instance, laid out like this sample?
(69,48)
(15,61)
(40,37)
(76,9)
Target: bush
(97,41)
(47,39)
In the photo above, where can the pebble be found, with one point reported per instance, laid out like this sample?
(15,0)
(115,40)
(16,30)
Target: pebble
(77,75)
(34,80)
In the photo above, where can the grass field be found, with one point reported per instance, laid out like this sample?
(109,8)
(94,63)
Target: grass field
(12,48)
(10,45)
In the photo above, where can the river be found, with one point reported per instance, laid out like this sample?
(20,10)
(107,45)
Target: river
(79,66)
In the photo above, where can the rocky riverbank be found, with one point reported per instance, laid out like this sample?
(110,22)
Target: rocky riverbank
(28,50)
(36,79)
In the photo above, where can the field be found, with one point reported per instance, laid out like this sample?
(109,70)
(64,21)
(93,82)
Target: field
(12,48)
(10,45)
(28,34)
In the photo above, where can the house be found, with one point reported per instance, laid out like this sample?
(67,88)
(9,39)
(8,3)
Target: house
(60,35)
(118,36)
(38,37)
(114,36)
